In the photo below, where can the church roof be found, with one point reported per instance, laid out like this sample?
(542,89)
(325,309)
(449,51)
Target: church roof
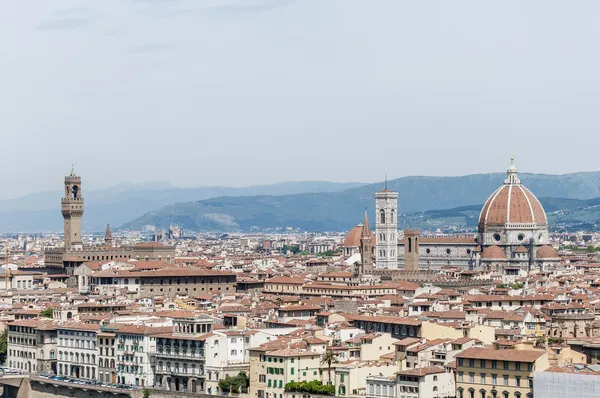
(547,252)
(512,203)
(493,252)
(353,237)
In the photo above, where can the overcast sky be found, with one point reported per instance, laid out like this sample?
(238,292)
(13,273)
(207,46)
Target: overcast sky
(244,92)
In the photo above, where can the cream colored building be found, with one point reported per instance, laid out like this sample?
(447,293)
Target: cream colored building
(491,373)
(270,371)
(351,376)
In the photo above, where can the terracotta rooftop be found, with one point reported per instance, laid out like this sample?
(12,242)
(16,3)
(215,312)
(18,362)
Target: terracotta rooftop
(501,355)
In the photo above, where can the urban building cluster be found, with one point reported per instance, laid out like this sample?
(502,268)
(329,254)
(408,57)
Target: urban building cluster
(512,311)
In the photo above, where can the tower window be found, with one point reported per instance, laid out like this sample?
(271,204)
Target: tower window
(382,216)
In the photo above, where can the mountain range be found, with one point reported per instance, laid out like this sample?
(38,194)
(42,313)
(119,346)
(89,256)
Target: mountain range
(568,199)
(309,205)
(40,212)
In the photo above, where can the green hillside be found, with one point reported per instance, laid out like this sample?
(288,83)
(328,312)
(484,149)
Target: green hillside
(338,211)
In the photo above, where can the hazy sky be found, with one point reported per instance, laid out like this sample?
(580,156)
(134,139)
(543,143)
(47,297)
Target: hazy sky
(242,92)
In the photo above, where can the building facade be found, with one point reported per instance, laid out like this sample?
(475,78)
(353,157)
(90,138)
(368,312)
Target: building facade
(487,372)
(77,351)
(386,229)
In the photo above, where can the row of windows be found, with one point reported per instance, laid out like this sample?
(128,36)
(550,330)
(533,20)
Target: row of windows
(494,379)
(77,358)
(274,382)
(72,333)
(76,343)
(382,236)
(25,354)
(29,367)
(210,289)
(26,284)
(104,351)
(382,253)
(20,340)
(482,363)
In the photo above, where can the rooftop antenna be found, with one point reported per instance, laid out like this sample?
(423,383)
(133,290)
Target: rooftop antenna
(386,181)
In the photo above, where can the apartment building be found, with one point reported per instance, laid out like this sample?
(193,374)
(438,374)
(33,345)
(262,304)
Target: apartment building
(286,365)
(77,350)
(136,349)
(25,345)
(487,372)
(107,355)
(180,354)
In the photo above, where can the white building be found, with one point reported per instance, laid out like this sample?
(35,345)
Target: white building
(23,352)
(228,353)
(428,382)
(136,348)
(77,352)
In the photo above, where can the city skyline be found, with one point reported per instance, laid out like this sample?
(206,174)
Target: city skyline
(192,94)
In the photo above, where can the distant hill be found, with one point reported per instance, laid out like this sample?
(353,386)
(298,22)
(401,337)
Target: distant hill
(567,197)
(40,212)
(563,214)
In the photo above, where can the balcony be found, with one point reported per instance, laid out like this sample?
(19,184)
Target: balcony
(189,372)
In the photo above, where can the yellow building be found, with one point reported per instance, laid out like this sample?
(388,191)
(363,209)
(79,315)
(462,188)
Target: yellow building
(491,373)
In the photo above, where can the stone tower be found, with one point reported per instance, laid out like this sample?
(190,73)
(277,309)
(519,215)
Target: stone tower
(366,247)
(411,249)
(108,239)
(72,211)
(386,229)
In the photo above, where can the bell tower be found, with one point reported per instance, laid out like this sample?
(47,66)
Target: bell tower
(72,211)
(386,229)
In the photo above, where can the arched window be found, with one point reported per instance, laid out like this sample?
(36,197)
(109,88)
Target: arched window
(392,215)
(382,216)
(434,379)
(410,245)
(435,388)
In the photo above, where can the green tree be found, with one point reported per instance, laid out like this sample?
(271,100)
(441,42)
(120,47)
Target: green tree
(329,359)
(314,387)
(3,344)
(145,393)
(234,384)
(47,313)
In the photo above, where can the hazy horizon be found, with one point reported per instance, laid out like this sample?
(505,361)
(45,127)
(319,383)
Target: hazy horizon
(254,92)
